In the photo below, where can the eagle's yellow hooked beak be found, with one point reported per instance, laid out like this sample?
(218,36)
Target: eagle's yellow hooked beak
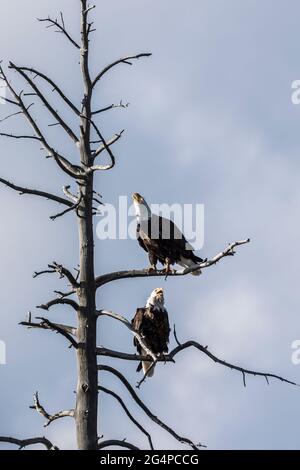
(138,198)
(159,290)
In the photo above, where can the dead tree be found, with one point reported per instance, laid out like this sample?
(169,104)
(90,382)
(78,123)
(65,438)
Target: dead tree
(81,296)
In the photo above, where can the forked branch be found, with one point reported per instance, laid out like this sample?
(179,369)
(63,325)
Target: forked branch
(67,331)
(62,271)
(189,344)
(61,28)
(50,418)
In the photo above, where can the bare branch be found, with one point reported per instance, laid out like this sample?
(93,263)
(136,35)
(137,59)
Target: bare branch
(29,442)
(205,350)
(188,344)
(125,322)
(101,351)
(105,146)
(106,278)
(54,113)
(146,410)
(138,425)
(45,324)
(61,28)
(112,106)
(7,100)
(68,329)
(54,87)
(35,192)
(115,442)
(68,194)
(59,301)
(63,295)
(13,136)
(175,336)
(63,272)
(63,163)
(74,207)
(11,115)
(89,9)
(40,273)
(50,418)
(124,60)
(72,170)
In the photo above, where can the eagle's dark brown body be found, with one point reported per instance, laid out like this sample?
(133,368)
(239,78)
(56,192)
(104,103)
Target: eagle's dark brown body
(153,325)
(162,246)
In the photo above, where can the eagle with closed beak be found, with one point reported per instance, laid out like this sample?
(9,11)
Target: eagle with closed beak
(162,239)
(152,324)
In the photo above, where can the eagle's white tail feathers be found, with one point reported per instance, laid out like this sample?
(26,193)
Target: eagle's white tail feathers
(147,365)
(188,263)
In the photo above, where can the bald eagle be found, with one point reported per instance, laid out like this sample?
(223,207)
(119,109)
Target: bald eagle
(152,324)
(161,239)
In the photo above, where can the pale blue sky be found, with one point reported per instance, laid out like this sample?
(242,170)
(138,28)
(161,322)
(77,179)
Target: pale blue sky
(210,121)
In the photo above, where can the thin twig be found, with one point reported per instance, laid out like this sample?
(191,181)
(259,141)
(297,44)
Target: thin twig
(61,28)
(10,115)
(14,136)
(112,106)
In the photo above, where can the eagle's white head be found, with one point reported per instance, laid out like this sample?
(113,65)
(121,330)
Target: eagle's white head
(142,210)
(156,299)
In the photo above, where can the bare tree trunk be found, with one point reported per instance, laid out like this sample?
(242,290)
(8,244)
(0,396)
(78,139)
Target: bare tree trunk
(87,387)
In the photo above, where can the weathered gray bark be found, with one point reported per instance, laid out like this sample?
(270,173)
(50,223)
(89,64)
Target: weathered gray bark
(87,386)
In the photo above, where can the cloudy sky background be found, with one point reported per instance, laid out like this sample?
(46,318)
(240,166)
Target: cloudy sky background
(210,121)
